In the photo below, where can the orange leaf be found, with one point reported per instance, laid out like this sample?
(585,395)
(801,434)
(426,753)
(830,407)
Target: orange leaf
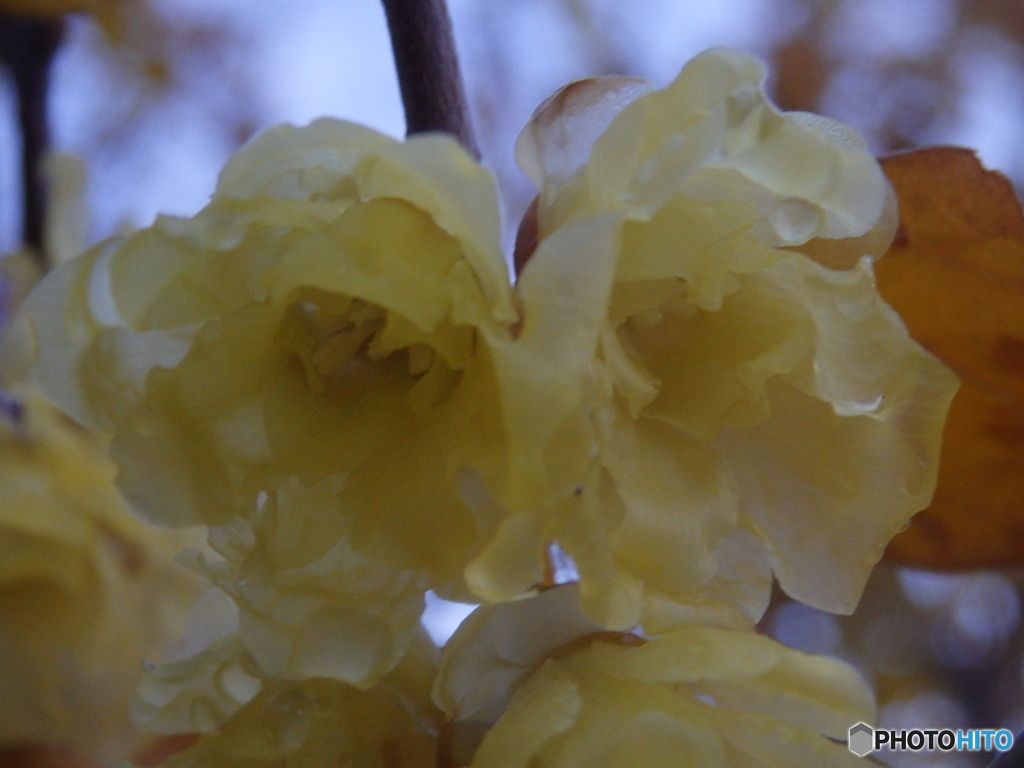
(956,275)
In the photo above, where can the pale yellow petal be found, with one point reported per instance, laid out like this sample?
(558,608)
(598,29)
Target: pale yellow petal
(736,597)
(544,707)
(291,162)
(846,485)
(434,173)
(658,473)
(197,694)
(497,647)
(773,743)
(822,694)
(691,654)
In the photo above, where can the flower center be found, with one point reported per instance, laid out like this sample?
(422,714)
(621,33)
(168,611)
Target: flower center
(338,341)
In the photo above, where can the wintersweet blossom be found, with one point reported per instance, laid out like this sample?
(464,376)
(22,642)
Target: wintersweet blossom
(330,356)
(315,317)
(86,591)
(748,372)
(307,360)
(319,722)
(545,686)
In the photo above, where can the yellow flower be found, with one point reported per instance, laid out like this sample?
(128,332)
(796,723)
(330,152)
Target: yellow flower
(748,373)
(326,315)
(326,723)
(545,689)
(86,591)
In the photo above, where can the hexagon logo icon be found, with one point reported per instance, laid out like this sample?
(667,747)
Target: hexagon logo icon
(861,739)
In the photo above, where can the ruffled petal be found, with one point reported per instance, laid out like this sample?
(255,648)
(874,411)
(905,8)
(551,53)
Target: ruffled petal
(197,694)
(827,494)
(496,647)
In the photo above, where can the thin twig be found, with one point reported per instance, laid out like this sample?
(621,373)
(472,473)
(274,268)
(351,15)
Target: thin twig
(27,47)
(428,69)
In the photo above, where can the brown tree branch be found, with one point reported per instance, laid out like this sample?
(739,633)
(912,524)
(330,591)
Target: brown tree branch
(428,69)
(27,47)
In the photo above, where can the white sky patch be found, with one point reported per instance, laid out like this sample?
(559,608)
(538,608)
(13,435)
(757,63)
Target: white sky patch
(882,28)
(173,169)
(990,70)
(670,33)
(330,58)
(171,162)
(442,617)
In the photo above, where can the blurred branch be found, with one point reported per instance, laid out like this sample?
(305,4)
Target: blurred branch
(428,69)
(27,47)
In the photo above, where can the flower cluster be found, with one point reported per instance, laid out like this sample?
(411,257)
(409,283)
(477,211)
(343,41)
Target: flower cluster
(692,385)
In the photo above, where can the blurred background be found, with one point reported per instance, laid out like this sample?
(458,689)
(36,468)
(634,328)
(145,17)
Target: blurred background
(154,104)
